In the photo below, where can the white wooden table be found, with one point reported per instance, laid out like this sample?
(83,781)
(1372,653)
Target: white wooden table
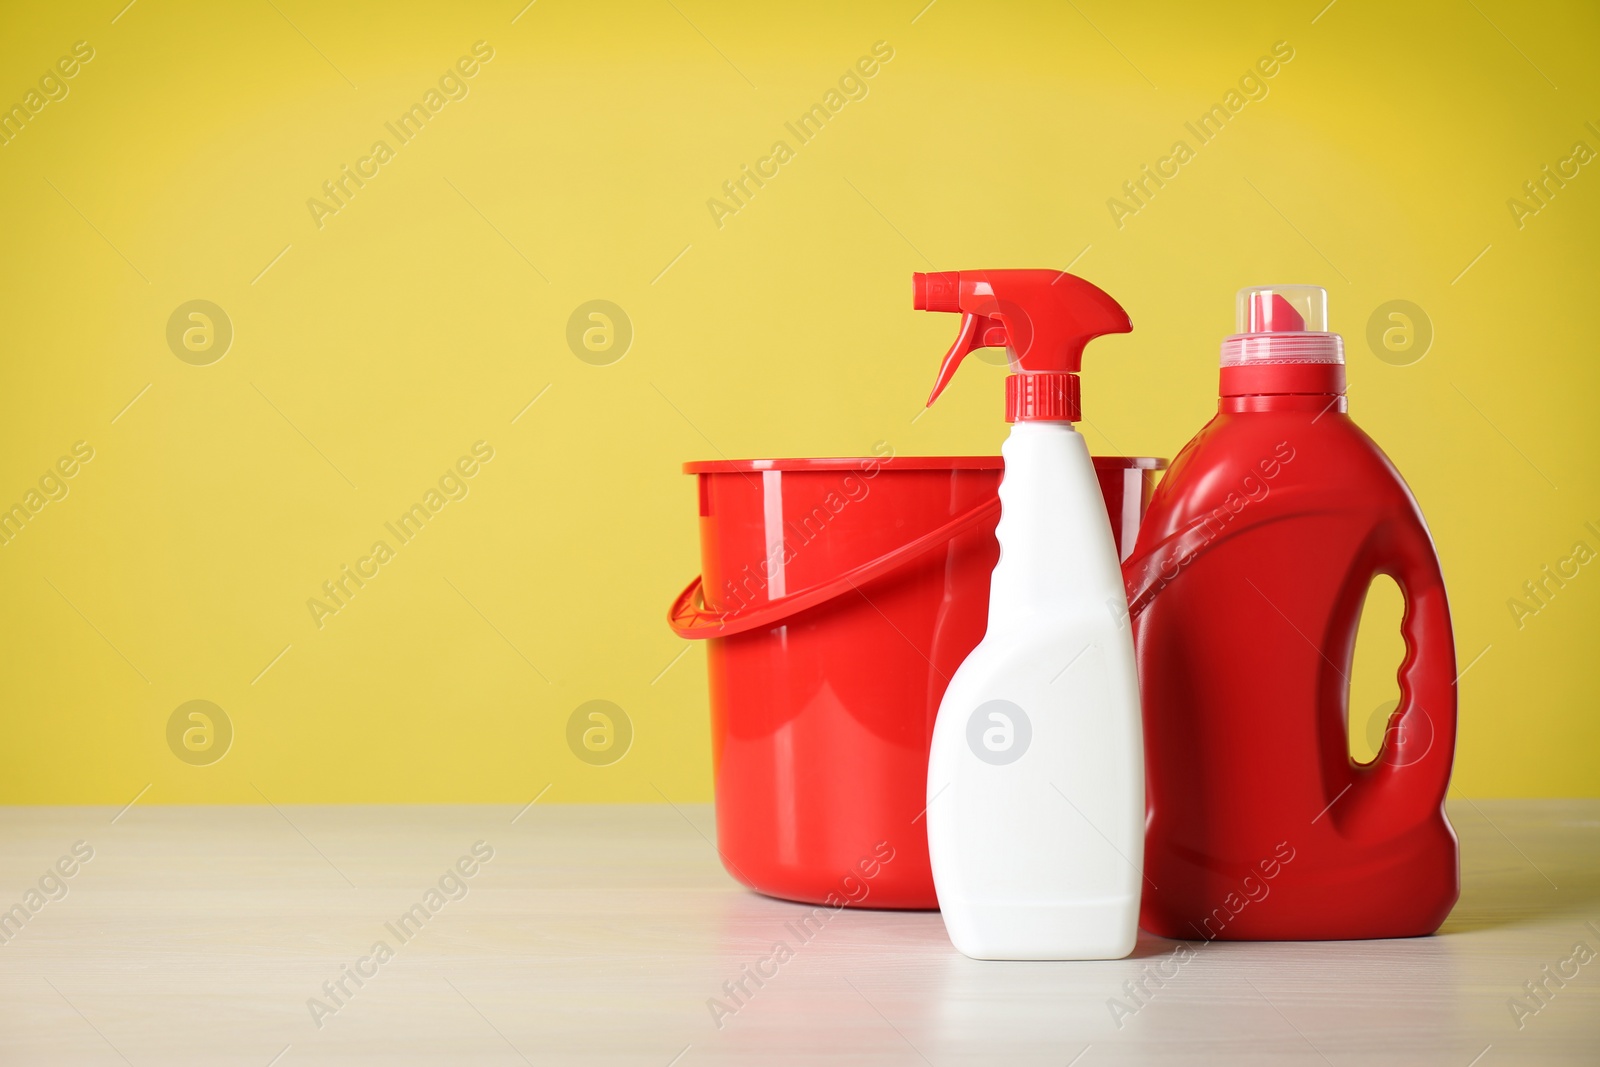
(600,934)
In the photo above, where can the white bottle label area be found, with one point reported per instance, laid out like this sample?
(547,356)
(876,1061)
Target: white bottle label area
(1074,853)
(1036,776)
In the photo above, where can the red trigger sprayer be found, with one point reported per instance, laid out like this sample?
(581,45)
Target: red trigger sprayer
(1047,705)
(1042,318)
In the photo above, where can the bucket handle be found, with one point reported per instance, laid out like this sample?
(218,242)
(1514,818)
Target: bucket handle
(690,618)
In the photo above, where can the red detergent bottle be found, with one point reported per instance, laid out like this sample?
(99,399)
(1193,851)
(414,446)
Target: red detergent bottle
(1245,589)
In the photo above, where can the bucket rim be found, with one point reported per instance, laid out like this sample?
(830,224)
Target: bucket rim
(905,463)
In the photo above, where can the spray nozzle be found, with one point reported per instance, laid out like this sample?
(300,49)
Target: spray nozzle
(1042,318)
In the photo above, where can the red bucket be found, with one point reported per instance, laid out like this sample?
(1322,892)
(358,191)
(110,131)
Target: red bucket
(839,596)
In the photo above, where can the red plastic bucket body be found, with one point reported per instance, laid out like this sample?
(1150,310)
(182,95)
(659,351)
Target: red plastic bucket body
(838,597)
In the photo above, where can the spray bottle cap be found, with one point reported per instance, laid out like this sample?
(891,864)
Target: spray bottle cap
(1042,318)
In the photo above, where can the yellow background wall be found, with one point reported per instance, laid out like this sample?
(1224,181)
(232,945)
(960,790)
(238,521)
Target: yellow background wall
(372,351)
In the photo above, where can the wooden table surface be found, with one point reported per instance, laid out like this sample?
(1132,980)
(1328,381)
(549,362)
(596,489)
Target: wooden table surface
(603,935)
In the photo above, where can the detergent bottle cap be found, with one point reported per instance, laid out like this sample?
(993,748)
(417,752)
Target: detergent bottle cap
(1042,318)
(1282,324)
(1282,346)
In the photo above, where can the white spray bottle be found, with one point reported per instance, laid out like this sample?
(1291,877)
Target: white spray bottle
(1036,774)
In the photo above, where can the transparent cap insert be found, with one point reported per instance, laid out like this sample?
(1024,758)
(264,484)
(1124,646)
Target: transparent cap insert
(1282,309)
(1282,324)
